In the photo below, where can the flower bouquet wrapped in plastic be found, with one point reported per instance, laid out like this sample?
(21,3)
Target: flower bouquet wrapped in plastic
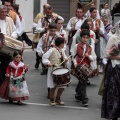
(115,50)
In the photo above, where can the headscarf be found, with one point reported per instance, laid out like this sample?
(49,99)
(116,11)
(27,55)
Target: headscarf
(117,29)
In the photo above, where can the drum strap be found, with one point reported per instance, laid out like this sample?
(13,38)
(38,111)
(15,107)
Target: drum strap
(83,55)
(61,55)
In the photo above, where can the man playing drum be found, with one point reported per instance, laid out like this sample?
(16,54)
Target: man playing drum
(53,57)
(8,28)
(83,54)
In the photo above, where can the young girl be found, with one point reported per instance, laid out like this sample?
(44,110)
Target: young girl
(53,57)
(17,87)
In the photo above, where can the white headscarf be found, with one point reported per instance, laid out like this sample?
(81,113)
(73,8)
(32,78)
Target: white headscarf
(117,29)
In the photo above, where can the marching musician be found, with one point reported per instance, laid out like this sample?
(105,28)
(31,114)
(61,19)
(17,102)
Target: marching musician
(45,43)
(7,28)
(53,57)
(35,22)
(74,24)
(83,54)
(43,23)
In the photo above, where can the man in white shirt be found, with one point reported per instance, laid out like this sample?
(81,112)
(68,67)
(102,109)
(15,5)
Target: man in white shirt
(7,28)
(14,16)
(74,24)
(6,23)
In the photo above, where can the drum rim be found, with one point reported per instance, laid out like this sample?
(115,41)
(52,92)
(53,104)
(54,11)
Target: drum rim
(59,68)
(62,85)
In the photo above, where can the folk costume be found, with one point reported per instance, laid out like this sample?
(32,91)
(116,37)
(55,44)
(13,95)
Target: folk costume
(79,50)
(87,15)
(40,28)
(74,22)
(18,90)
(35,22)
(106,12)
(55,57)
(16,21)
(77,39)
(111,92)
(8,28)
(45,43)
(63,34)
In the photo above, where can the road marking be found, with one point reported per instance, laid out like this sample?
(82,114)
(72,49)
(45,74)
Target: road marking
(47,105)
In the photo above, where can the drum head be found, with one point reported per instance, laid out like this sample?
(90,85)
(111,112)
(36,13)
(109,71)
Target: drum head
(60,71)
(1,40)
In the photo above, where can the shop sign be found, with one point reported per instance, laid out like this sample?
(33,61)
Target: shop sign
(85,2)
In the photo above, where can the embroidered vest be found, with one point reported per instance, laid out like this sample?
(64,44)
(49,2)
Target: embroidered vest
(47,43)
(54,58)
(9,27)
(46,22)
(80,50)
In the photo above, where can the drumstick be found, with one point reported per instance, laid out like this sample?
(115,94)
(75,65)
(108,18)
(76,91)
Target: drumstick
(64,61)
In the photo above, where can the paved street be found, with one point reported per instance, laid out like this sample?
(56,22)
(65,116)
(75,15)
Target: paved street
(37,107)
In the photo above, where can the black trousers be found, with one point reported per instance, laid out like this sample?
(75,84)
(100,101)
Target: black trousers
(81,93)
(39,60)
(4,62)
(25,38)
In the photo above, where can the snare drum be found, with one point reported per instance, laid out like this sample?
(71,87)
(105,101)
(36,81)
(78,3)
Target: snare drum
(61,76)
(83,71)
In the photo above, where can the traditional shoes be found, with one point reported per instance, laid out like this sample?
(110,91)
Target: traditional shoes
(57,102)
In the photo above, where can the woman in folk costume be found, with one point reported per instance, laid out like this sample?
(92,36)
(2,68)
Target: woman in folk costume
(17,88)
(111,93)
(83,54)
(53,57)
(100,45)
(106,12)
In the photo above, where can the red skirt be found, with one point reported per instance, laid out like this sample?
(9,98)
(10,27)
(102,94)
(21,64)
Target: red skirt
(4,89)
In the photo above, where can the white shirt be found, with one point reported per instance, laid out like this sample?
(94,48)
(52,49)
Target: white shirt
(18,26)
(74,40)
(63,34)
(76,21)
(4,31)
(39,27)
(22,26)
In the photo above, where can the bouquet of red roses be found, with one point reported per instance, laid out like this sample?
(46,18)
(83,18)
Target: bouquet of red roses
(115,50)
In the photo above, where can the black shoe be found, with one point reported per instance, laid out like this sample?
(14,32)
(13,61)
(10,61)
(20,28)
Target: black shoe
(37,65)
(84,104)
(88,82)
(43,73)
(10,101)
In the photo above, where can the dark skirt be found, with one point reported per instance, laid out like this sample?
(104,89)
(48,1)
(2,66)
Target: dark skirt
(111,94)
(4,89)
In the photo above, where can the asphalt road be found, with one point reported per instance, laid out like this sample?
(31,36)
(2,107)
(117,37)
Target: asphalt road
(38,108)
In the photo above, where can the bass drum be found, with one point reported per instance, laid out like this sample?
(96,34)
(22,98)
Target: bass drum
(10,45)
